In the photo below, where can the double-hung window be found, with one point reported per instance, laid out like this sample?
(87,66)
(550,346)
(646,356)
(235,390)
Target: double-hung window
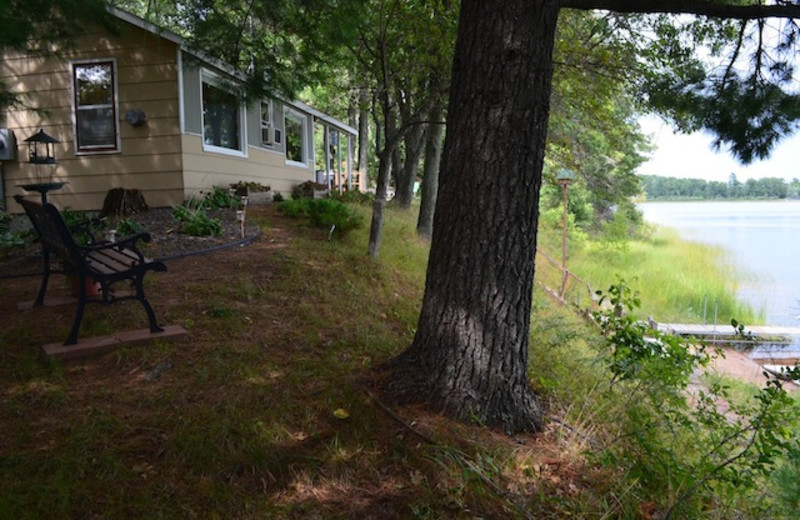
(94,86)
(295,130)
(223,118)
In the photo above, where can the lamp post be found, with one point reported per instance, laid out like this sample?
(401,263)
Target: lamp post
(41,150)
(564,178)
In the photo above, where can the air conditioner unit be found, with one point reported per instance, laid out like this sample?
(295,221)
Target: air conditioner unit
(8,145)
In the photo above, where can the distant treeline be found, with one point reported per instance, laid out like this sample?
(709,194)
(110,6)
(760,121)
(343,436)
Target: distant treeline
(660,188)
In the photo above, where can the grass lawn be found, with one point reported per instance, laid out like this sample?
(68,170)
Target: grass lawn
(267,410)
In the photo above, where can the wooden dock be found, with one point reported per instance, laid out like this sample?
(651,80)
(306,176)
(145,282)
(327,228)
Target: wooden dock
(704,331)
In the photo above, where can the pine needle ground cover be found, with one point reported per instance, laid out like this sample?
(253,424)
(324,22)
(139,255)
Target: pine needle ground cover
(268,409)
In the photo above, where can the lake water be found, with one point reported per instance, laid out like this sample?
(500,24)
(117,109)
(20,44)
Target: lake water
(763,239)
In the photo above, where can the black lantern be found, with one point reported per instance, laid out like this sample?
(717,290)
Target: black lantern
(41,148)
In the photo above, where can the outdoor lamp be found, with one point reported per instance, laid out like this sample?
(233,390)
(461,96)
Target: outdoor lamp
(41,148)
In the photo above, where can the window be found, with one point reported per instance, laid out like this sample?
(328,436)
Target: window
(95,100)
(222,119)
(267,136)
(295,125)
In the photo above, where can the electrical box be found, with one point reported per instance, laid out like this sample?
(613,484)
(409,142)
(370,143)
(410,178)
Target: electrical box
(8,145)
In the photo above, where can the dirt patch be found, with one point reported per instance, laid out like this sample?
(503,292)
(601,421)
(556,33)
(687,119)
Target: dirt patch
(739,366)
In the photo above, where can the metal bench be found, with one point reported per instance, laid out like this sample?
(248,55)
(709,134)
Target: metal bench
(104,262)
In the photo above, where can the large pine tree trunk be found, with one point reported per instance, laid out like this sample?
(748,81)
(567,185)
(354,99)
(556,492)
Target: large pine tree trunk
(470,354)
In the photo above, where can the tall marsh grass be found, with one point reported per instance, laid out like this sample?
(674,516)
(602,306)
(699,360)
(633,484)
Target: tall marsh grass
(678,280)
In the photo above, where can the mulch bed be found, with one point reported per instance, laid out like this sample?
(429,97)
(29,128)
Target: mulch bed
(167,240)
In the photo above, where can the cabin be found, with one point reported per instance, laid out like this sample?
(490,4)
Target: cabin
(141,110)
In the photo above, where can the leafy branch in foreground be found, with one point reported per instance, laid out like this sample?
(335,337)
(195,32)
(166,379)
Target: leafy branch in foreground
(682,441)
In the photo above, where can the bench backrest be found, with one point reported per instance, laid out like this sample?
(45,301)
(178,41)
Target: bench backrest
(52,230)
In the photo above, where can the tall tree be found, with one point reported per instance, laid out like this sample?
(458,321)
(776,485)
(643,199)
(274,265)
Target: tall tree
(430,173)
(404,45)
(469,357)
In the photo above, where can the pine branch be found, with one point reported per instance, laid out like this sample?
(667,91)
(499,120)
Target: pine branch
(696,7)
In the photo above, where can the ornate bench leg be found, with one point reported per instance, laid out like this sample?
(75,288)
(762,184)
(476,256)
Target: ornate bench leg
(72,339)
(151,315)
(39,302)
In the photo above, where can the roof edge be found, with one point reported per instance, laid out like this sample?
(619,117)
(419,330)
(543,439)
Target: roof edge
(184,45)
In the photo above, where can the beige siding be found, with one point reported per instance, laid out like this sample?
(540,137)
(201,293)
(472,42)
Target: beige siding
(150,156)
(155,158)
(203,169)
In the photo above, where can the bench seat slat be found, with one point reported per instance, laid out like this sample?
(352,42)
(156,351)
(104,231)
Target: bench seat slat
(111,261)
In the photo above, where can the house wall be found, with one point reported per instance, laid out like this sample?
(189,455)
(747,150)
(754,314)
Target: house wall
(203,170)
(150,156)
(264,164)
(166,158)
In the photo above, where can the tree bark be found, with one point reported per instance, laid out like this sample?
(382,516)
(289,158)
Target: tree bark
(469,358)
(379,204)
(121,202)
(408,175)
(396,167)
(363,135)
(430,172)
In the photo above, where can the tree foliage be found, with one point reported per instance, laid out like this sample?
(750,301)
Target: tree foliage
(730,77)
(45,27)
(673,188)
(280,46)
(593,128)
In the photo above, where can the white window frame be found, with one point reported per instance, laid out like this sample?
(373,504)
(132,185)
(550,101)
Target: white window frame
(213,80)
(268,124)
(302,119)
(76,108)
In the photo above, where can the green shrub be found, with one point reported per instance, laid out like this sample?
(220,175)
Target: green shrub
(5,221)
(329,213)
(353,197)
(83,226)
(325,213)
(220,198)
(277,197)
(195,222)
(8,239)
(128,226)
(295,208)
(684,445)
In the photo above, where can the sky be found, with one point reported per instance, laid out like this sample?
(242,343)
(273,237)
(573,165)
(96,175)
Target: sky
(691,156)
